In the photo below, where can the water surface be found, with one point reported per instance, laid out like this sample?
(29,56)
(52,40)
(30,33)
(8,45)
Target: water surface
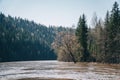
(58,70)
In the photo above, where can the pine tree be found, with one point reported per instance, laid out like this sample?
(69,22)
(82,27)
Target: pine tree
(106,32)
(113,30)
(81,33)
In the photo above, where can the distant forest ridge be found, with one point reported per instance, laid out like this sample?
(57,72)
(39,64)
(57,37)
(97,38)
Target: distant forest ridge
(21,39)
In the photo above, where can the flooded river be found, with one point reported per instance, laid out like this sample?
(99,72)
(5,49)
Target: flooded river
(54,70)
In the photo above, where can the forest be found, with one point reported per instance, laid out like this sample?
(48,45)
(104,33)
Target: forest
(98,43)
(21,39)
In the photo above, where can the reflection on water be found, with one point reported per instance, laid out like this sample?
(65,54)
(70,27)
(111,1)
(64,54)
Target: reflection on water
(54,69)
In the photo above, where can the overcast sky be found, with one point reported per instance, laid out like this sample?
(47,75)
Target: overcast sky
(56,12)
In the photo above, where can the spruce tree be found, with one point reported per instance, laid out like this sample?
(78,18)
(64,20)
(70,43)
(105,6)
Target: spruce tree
(113,30)
(106,49)
(81,33)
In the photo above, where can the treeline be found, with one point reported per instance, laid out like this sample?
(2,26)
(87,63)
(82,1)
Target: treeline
(21,39)
(101,43)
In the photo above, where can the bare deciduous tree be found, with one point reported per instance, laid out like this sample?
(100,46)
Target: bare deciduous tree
(66,46)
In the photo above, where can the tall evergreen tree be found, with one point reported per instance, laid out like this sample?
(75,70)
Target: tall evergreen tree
(81,33)
(113,30)
(106,33)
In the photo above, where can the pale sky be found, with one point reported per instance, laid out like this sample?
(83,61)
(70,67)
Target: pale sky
(56,12)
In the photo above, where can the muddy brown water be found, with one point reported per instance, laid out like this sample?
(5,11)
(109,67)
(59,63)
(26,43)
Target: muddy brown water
(54,70)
